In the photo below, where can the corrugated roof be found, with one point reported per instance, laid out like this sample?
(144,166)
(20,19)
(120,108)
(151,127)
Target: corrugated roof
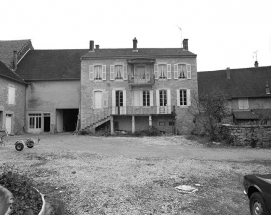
(51,64)
(244,82)
(141,52)
(8,46)
(7,73)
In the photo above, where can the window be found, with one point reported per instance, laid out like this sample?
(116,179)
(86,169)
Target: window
(162,71)
(118,72)
(34,121)
(183,97)
(11,95)
(98,99)
(243,103)
(146,98)
(163,97)
(98,72)
(162,123)
(119,98)
(182,71)
(171,123)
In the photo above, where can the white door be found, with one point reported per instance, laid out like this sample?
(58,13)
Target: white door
(8,123)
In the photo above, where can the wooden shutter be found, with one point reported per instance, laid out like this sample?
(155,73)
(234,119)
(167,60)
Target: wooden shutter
(105,99)
(157,101)
(175,71)
(104,72)
(156,71)
(112,74)
(141,98)
(169,71)
(151,97)
(178,97)
(91,72)
(188,69)
(188,94)
(113,101)
(124,102)
(125,72)
(168,101)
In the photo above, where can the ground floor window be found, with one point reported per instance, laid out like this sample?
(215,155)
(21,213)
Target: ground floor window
(183,97)
(34,120)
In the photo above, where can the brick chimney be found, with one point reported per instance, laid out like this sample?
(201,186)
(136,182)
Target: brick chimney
(91,45)
(15,60)
(97,47)
(185,44)
(256,64)
(228,73)
(135,45)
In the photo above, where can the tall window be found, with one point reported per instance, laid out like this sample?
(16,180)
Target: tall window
(182,71)
(98,99)
(119,98)
(162,71)
(183,97)
(34,121)
(146,98)
(11,95)
(163,97)
(118,72)
(98,72)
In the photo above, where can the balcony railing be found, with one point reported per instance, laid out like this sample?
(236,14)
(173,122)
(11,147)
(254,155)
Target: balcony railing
(141,79)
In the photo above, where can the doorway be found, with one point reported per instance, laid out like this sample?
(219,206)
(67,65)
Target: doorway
(46,122)
(8,123)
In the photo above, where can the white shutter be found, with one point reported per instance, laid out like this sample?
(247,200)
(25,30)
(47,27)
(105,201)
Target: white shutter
(124,102)
(125,72)
(112,74)
(156,71)
(157,101)
(141,98)
(104,72)
(188,69)
(151,97)
(91,72)
(188,94)
(169,71)
(105,99)
(113,102)
(168,101)
(11,95)
(175,71)
(136,98)
(178,97)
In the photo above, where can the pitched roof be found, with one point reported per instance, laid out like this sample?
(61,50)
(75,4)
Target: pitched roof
(245,82)
(7,73)
(51,64)
(8,46)
(141,52)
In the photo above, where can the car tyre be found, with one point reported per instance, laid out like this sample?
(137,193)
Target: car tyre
(30,146)
(258,205)
(19,146)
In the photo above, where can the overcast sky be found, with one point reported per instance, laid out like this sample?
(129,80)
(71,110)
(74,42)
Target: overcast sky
(222,33)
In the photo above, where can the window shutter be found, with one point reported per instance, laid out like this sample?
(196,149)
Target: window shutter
(178,97)
(151,97)
(91,72)
(104,72)
(112,75)
(124,102)
(188,94)
(11,95)
(169,71)
(113,101)
(188,69)
(175,71)
(168,101)
(157,101)
(125,72)
(141,98)
(105,99)
(156,71)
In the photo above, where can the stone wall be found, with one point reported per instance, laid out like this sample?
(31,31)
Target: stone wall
(248,135)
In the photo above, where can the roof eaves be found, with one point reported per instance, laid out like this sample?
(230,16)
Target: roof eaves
(20,81)
(52,79)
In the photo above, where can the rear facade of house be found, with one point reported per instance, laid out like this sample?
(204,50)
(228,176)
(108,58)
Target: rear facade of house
(135,88)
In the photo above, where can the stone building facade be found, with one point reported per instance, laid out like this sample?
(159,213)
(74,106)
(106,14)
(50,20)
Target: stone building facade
(132,89)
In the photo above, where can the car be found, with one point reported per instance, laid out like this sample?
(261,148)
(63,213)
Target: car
(258,189)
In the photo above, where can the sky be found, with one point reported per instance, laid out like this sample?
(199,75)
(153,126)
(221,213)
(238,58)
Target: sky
(223,33)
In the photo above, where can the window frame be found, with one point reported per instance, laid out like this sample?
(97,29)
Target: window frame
(101,72)
(11,100)
(243,103)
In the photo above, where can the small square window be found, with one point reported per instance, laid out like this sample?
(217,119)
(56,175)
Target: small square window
(171,123)
(162,123)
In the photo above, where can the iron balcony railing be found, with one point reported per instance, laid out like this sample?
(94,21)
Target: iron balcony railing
(103,114)
(141,79)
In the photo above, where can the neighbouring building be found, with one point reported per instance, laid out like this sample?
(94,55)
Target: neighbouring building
(247,91)
(134,88)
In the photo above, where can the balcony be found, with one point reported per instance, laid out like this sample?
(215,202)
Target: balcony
(141,110)
(141,80)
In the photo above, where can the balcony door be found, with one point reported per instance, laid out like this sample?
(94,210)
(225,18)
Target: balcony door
(118,102)
(163,101)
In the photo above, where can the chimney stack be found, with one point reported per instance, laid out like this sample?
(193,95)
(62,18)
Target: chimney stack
(256,64)
(15,60)
(228,73)
(135,45)
(267,89)
(97,47)
(185,44)
(91,45)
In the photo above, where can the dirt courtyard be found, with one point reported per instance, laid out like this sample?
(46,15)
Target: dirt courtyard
(129,175)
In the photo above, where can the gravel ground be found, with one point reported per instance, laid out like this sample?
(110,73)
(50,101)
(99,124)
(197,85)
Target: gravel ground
(126,175)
